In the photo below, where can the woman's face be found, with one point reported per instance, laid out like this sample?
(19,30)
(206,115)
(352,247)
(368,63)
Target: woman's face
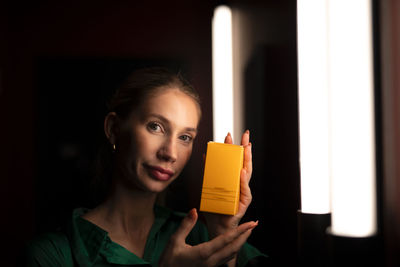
(156,141)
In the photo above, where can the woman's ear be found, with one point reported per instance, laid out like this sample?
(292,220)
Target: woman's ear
(111,127)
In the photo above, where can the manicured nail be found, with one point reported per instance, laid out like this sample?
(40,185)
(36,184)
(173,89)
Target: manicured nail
(254,225)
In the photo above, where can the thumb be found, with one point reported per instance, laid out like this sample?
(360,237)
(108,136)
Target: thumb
(187,225)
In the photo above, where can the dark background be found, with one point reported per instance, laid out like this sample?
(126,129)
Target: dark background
(60,60)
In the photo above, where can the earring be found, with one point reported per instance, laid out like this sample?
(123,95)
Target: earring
(114,148)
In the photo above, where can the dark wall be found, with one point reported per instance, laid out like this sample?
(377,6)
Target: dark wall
(78,42)
(271,113)
(390,67)
(57,62)
(70,107)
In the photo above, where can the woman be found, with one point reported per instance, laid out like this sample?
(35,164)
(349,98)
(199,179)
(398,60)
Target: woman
(151,126)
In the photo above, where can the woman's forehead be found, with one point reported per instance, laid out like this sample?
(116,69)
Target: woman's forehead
(174,105)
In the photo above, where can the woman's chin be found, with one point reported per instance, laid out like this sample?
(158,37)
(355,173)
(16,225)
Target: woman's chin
(154,186)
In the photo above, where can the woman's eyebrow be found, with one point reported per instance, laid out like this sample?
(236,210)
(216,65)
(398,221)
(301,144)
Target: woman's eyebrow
(190,129)
(160,117)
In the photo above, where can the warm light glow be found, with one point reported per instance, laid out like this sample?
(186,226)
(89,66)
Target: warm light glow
(222,73)
(352,103)
(312,48)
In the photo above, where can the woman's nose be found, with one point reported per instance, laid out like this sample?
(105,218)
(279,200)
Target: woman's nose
(168,150)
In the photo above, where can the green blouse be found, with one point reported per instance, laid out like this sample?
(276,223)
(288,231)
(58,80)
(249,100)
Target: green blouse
(82,243)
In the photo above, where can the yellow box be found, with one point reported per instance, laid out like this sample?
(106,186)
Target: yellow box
(221,181)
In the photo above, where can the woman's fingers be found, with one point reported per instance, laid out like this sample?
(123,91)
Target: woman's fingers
(244,141)
(228,139)
(215,252)
(248,160)
(245,192)
(245,138)
(186,226)
(229,251)
(224,247)
(223,240)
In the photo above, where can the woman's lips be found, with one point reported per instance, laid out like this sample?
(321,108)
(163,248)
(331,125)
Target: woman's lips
(159,173)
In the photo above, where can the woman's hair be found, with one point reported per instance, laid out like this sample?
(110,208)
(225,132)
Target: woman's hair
(137,88)
(144,83)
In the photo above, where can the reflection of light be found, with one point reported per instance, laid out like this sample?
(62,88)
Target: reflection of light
(313,105)
(222,72)
(351,87)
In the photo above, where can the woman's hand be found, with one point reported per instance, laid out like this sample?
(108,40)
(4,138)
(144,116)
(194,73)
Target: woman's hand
(216,252)
(217,223)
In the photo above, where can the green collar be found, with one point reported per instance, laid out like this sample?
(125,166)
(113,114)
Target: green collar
(89,242)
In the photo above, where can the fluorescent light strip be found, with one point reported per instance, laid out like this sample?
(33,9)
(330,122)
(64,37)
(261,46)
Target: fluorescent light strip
(312,41)
(222,72)
(352,114)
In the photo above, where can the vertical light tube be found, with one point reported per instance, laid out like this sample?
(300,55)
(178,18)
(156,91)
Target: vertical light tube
(352,115)
(312,46)
(222,70)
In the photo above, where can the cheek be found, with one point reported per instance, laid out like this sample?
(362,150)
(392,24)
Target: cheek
(145,146)
(134,148)
(184,156)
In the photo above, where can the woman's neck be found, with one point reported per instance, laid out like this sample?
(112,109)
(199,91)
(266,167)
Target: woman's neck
(127,217)
(124,210)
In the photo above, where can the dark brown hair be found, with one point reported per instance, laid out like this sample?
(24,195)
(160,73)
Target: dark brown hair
(137,88)
(144,83)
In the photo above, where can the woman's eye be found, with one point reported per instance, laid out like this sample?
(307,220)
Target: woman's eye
(186,138)
(154,127)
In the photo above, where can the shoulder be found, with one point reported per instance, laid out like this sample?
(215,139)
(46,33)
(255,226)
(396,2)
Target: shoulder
(48,249)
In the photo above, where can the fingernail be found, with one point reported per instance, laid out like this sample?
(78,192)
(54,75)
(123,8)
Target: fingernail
(255,224)
(252,226)
(191,214)
(248,131)
(229,134)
